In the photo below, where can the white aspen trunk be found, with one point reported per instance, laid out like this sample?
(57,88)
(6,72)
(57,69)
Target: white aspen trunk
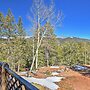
(38,31)
(33,47)
(36,52)
(34,56)
(33,61)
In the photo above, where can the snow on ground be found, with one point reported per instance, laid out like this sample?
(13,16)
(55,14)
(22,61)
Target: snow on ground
(48,82)
(54,66)
(54,73)
(23,72)
(54,79)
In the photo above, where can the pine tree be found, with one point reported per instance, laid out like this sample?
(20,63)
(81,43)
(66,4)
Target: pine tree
(20,43)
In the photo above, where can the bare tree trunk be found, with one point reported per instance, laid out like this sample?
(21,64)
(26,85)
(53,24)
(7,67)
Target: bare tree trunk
(47,56)
(34,57)
(38,29)
(47,62)
(37,59)
(33,62)
(18,67)
(33,48)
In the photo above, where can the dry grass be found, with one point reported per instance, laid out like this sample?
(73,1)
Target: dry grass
(39,86)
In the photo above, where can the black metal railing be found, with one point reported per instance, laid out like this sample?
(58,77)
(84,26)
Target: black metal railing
(9,80)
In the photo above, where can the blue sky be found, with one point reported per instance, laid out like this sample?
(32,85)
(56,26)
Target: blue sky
(76,21)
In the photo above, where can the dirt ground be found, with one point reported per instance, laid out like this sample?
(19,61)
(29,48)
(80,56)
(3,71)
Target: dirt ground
(73,80)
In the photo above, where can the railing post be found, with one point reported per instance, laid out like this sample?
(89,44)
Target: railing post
(3,76)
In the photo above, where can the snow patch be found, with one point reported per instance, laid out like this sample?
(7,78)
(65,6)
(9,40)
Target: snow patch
(54,73)
(48,82)
(54,79)
(54,66)
(23,72)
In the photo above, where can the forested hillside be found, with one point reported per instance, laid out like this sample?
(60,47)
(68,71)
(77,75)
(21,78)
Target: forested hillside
(20,52)
(63,52)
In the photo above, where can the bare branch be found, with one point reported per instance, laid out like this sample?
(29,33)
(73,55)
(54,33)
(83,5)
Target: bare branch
(40,14)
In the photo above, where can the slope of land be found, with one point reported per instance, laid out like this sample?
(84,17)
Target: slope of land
(73,80)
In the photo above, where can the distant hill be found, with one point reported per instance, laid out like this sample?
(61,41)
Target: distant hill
(75,39)
(62,40)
